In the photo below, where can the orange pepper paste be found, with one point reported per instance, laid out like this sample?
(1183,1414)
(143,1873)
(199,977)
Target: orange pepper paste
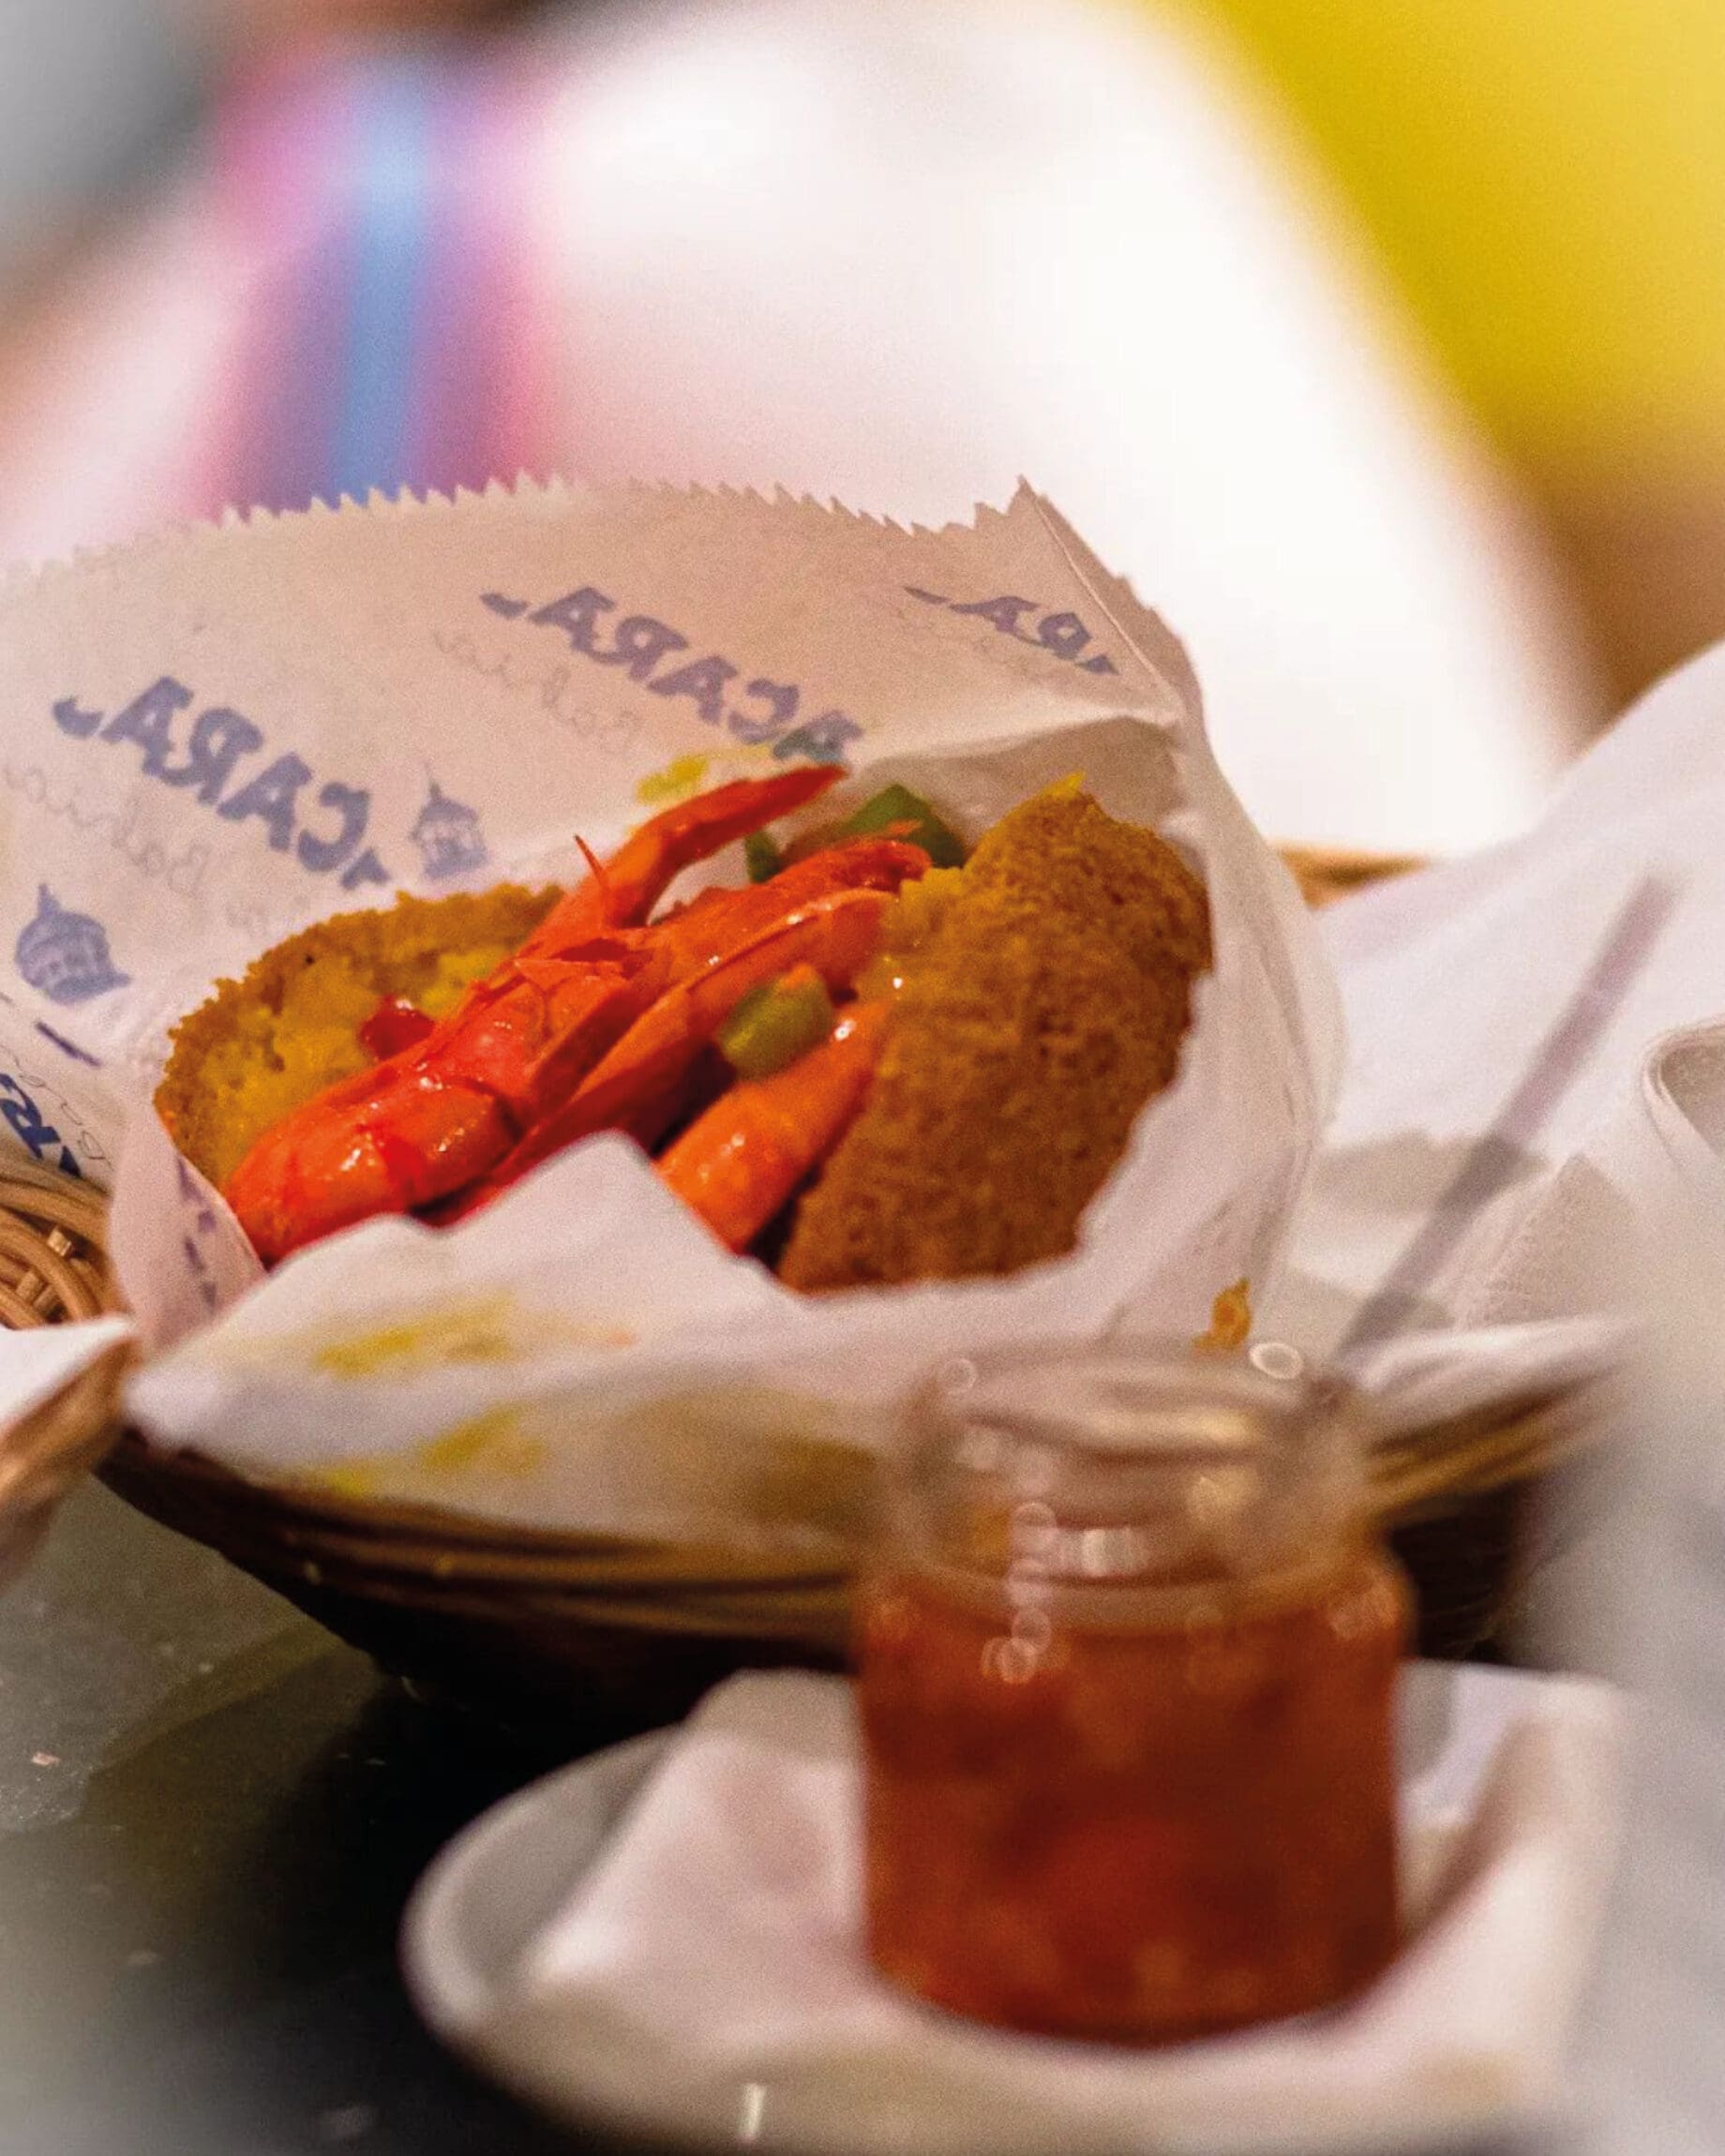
(1136,1833)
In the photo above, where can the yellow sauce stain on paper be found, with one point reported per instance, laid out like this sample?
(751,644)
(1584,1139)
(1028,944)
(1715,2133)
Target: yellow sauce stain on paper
(680,777)
(491,1443)
(484,1330)
(354,1478)
(1230,1321)
(481,1331)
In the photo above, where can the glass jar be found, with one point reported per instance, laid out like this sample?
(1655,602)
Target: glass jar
(1127,1667)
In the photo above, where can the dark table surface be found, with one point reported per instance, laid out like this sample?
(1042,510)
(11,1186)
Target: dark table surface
(211,1814)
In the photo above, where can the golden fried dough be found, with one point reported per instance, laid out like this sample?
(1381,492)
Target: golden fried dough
(1045,1008)
(266,1042)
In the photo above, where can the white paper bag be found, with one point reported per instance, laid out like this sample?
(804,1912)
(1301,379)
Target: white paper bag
(223,735)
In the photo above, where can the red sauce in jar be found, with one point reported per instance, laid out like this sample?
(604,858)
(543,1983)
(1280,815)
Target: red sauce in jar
(1135,1833)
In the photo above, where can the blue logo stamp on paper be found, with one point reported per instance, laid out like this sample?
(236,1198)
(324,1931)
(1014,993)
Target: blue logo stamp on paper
(1026,621)
(449,837)
(64,955)
(22,1115)
(201,1226)
(719,692)
(322,826)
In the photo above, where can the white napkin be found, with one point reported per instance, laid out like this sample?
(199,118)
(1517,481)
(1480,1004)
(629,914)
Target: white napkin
(36,1364)
(1493,1152)
(716,1945)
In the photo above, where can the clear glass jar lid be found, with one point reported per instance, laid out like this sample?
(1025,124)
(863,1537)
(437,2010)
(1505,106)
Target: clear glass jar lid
(1127,1467)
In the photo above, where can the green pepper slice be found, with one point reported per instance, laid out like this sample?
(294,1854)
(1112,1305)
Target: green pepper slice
(910,817)
(764,854)
(773,1024)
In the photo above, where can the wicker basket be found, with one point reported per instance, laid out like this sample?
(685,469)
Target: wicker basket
(565,1636)
(52,1267)
(529,1625)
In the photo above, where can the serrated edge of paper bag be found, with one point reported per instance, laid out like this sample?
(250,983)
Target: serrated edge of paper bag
(524,491)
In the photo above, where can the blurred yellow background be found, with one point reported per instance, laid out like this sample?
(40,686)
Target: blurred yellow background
(1546,179)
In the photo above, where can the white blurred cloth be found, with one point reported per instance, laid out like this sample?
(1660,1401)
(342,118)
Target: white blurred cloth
(1510,1127)
(901,251)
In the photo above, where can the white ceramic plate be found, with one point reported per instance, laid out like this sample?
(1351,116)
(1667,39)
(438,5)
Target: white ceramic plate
(494,1889)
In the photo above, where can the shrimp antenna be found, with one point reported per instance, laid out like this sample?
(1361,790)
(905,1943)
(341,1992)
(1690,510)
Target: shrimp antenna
(596,869)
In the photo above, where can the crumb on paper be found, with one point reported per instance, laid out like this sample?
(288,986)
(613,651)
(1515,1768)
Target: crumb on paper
(44,1758)
(1230,1325)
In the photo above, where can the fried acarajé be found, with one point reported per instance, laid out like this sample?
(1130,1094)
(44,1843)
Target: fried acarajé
(887,1071)
(290,1026)
(1045,1008)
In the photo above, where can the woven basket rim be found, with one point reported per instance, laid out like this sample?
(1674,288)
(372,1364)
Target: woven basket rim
(445,1535)
(1518,1442)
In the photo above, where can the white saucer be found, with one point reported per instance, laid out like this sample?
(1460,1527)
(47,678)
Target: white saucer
(493,1889)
